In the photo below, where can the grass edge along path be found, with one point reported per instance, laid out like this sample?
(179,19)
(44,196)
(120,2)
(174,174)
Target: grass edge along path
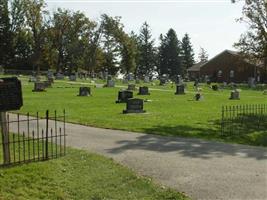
(79,175)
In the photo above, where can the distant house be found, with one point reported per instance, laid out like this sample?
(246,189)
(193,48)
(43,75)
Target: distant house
(228,66)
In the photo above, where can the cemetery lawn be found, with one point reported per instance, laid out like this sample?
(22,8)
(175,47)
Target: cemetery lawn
(167,114)
(79,175)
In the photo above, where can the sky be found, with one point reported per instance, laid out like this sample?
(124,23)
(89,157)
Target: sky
(211,24)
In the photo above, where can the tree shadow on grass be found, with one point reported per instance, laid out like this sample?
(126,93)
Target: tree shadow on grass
(189,147)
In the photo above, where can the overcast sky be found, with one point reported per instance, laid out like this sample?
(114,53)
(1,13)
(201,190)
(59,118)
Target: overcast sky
(211,24)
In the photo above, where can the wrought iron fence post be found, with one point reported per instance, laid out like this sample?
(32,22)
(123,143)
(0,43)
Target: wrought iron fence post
(46,134)
(5,137)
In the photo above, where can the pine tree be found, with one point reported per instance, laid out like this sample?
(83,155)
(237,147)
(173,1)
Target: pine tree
(172,54)
(187,53)
(146,51)
(203,56)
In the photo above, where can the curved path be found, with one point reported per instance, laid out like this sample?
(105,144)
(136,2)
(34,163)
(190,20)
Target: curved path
(202,169)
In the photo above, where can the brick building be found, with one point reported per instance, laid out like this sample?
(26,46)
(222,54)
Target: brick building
(228,66)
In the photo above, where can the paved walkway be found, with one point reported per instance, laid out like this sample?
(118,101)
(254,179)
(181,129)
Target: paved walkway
(201,169)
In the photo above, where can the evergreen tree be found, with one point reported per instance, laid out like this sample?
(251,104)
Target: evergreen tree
(162,56)
(187,53)
(170,54)
(203,56)
(146,51)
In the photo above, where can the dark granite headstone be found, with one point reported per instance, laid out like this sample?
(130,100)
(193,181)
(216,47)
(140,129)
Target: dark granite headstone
(131,87)
(124,95)
(134,106)
(10,94)
(143,91)
(84,91)
(234,95)
(198,96)
(39,87)
(180,89)
(215,87)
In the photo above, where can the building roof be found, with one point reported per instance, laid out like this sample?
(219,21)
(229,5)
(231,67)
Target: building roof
(196,67)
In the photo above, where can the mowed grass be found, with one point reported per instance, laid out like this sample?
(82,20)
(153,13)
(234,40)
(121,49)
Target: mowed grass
(79,175)
(167,114)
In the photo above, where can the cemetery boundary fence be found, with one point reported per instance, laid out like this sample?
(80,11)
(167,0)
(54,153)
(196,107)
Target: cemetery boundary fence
(243,119)
(32,139)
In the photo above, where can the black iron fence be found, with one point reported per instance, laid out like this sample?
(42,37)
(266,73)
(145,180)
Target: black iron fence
(243,119)
(33,139)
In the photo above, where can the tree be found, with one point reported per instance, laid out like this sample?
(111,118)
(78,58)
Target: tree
(203,56)
(35,21)
(146,49)
(253,43)
(170,55)
(187,53)
(5,36)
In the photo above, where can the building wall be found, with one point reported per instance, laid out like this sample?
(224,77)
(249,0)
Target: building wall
(227,62)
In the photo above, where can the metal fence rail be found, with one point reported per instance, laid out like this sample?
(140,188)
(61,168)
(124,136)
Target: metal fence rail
(33,138)
(243,119)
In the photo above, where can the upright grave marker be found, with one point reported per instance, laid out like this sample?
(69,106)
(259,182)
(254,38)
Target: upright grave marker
(143,91)
(10,99)
(84,91)
(124,95)
(134,106)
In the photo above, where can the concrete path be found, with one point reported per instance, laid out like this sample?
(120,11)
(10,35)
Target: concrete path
(201,169)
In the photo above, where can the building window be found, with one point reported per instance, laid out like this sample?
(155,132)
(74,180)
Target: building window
(232,74)
(220,73)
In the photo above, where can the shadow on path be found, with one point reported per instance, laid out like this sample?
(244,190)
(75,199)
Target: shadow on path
(190,147)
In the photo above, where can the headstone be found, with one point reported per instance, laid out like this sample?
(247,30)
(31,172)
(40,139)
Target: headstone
(10,94)
(131,87)
(146,79)
(143,91)
(72,77)
(215,87)
(124,95)
(180,89)
(32,79)
(110,83)
(234,95)
(251,82)
(134,106)
(39,87)
(84,91)
(198,96)
(59,76)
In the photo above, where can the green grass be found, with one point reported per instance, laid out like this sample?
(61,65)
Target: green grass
(79,175)
(167,114)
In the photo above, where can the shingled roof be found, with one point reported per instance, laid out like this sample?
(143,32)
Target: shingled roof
(196,67)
